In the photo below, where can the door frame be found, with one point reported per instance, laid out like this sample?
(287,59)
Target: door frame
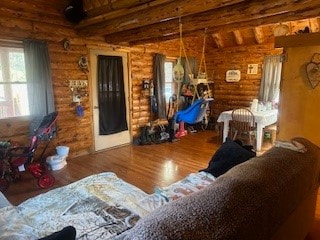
(93,52)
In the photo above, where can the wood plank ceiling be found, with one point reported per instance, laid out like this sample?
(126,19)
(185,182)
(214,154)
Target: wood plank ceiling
(228,22)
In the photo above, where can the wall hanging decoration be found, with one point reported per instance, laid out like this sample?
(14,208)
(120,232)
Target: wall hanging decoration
(83,64)
(66,44)
(252,69)
(233,75)
(79,89)
(281,30)
(146,87)
(313,70)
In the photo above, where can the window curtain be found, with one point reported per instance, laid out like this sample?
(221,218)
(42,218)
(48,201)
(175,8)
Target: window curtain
(159,84)
(39,82)
(271,76)
(111,95)
(40,91)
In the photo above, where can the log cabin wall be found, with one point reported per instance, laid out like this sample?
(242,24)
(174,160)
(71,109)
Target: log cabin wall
(22,20)
(230,95)
(141,68)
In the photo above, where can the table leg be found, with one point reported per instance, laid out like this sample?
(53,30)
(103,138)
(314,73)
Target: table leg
(225,130)
(259,137)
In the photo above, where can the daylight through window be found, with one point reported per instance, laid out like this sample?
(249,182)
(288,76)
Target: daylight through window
(169,84)
(13,83)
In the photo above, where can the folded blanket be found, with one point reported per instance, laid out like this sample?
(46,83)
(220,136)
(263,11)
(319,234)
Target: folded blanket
(292,145)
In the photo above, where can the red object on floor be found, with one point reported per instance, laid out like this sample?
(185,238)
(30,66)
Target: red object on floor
(46,181)
(181,132)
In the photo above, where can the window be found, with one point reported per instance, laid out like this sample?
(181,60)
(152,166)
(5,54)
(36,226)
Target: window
(271,77)
(169,83)
(13,83)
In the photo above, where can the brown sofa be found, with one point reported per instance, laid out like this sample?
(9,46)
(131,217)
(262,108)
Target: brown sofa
(268,197)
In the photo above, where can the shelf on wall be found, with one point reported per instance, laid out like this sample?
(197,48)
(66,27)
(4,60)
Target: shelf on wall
(298,40)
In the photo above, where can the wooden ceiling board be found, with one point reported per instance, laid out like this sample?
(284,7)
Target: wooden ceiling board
(228,23)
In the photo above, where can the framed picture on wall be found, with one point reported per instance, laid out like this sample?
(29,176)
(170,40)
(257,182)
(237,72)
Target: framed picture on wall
(252,69)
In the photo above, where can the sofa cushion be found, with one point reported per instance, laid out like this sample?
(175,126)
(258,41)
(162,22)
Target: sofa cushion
(230,154)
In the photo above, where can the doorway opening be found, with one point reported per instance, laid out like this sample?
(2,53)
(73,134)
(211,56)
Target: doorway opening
(110,98)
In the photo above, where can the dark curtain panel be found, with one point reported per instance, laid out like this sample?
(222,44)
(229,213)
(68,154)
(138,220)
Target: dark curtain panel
(159,83)
(39,82)
(111,95)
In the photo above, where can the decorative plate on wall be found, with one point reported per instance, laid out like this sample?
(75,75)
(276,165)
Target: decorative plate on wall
(281,30)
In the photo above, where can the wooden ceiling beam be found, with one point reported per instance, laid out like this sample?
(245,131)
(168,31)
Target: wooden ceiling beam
(221,20)
(218,40)
(98,7)
(284,18)
(41,6)
(107,12)
(256,27)
(93,10)
(314,24)
(258,34)
(151,13)
(238,37)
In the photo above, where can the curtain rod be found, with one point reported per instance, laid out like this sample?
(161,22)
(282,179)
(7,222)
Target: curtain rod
(9,40)
(10,43)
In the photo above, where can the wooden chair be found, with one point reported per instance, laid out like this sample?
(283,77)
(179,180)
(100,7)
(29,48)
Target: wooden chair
(243,124)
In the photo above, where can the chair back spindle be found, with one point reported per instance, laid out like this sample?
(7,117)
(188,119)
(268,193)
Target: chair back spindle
(243,123)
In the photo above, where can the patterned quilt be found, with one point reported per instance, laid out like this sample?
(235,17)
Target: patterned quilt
(99,207)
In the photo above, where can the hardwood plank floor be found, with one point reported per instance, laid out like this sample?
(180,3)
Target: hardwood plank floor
(143,166)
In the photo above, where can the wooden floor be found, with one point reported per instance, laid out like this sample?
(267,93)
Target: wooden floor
(143,166)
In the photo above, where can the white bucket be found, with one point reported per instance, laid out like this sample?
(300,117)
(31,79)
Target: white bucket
(56,162)
(62,150)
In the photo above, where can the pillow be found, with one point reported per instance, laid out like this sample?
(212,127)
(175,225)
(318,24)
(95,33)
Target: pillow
(227,156)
